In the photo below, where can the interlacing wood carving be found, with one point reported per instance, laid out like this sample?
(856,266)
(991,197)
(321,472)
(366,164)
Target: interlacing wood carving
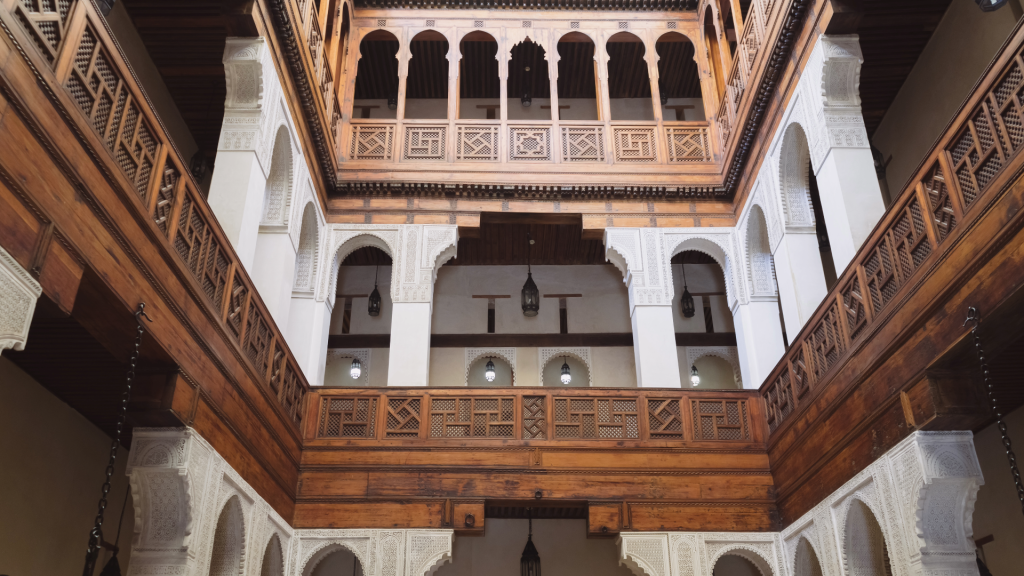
(349,417)
(976,150)
(84,59)
(472,417)
(720,420)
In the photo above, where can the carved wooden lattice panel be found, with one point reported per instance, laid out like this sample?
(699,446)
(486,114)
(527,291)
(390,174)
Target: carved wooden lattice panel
(237,302)
(425,143)
(897,255)
(977,154)
(403,418)
(165,196)
(940,203)
(856,309)
(688,144)
(881,274)
(292,393)
(529,143)
(635,145)
(608,418)
(256,342)
(779,400)
(45,22)
(724,124)
(535,421)
(476,143)
(720,420)
(372,142)
(582,144)
(798,364)
(666,418)
(348,417)
(103,96)
(472,417)
(197,246)
(826,342)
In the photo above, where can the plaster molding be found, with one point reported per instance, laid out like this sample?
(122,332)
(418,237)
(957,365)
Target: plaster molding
(19,292)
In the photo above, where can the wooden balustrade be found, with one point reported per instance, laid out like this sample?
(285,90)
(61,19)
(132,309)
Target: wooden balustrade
(86,62)
(948,194)
(538,415)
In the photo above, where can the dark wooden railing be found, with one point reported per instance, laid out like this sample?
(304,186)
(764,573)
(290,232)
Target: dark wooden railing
(949,192)
(539,414)
(86,61)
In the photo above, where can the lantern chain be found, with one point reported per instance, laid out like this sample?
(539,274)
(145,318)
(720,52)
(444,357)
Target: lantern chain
(974,317)
(96,534)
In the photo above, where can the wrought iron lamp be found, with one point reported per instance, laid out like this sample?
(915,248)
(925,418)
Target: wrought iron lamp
(393,101)
(694,376)
(531,295)
(489,370)
(529,565)
(373,306)
(687,301)
(661,93)
(566,377)
(526,100)
(356,370)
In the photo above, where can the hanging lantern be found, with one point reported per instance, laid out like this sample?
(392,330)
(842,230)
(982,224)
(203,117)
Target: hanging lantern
(694,376)
(687,301)
(566,377)
(356,370)
(526,100)
(529,565)
(489,371)
(661,92)
(393,100)
(373,306)
(531,295)
(990,5)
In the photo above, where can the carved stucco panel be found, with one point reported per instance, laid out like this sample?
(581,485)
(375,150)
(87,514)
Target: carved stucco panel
(18,295)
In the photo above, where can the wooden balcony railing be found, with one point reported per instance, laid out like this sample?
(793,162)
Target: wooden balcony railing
(539,415)
(950,191)
(85,60)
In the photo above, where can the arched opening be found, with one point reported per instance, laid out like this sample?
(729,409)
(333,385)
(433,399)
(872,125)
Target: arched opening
(333,561)
(716,373)
(736,565)
(277,195)
(864,549)
(479,83)
(824,246)
(703,277)
(711,46)
(800,195)
(352,326)
(376,94)
(552,372)
(228,539)
(305,260)
(504,376)
(529,85)
(577,78)
(629,84)
(679,79)
(806,561)
(761,265)
(273,558)
(426,88)
(273,263)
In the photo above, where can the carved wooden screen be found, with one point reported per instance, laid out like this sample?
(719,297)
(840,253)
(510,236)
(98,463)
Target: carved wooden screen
(720,420)
(402,419)
(940,202)
(349,417)
(665,418)
(826,341)
(46,22)
(472,417)
(198,247)
(535,421)
(609,418)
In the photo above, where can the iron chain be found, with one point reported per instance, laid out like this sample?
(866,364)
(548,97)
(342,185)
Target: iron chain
(973,316)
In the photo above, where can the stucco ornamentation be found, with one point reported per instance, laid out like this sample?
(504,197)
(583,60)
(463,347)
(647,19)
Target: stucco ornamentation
(18,295)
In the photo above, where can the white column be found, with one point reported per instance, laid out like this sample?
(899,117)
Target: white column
(654,347)
(309,325)
(409,359)
(850,199)
(801,278)
(273,272)
(236,198)
(18,295)
(758,339)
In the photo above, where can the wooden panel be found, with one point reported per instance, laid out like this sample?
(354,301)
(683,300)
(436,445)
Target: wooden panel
(702,517)
(20,226)
(385,514)
(604,519)
(468,517)
(60,274)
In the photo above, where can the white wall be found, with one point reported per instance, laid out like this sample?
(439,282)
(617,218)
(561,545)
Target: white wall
(50,475)
(997,511)
(562,544)
(579,109)
(381,110)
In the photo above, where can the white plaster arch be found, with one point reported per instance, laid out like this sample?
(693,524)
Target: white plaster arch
(227,555)
(343,243)
(546,355)
(806,560)
(309,246)
(758,254)
(794,172)
(506,354)
(324,549)
(727,353)
(273,561)
(863,551)
(277,197)
(494,33)
(748,553)
(719,247)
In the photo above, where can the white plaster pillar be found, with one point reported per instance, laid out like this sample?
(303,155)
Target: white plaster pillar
(273,271)
(758,338)
(309,325)
(19,292)
(236,196)
(850,199)
(409,360)
(800,277)
(654,347)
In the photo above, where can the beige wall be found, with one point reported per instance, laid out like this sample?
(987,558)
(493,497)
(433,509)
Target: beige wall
(953,60)
(51,466)
(997,511)
(562,544)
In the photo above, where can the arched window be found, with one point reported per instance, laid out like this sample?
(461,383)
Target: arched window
(714,52)
(864,550)
(577,78)
(376,93)
(228,540)
(552,372)
(479,84)
(529,85)
(273,558)
(426,88)
(629,84)
(679,79)
(476,376)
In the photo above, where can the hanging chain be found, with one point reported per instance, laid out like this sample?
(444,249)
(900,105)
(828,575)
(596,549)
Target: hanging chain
(96,535)
(973,316)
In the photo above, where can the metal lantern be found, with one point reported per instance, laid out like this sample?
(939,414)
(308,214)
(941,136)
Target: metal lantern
(531,295)
(529,565)
(990,5)
(393,101)
(489,371)
(687,301)
(356,370)
(694,376)
(526,100)
(566,377)
(373,306)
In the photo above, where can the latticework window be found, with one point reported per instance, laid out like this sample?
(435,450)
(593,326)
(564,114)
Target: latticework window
(349,417)
(472,417)
(604,418)
(720,420)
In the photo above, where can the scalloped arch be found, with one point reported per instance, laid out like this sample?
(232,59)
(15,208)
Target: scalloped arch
(318,554)
(748,553)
